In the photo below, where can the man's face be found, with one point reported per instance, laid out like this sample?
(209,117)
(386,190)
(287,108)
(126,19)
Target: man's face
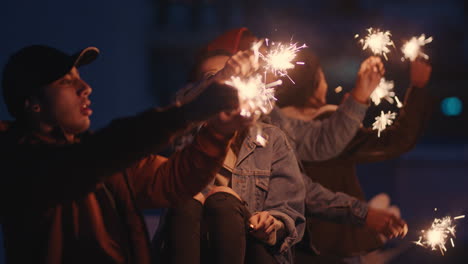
(65,103)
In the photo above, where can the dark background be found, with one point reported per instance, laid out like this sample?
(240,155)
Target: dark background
(148,46)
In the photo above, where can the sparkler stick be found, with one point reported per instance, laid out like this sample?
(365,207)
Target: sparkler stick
(377,41)
(399,104)
(412,49)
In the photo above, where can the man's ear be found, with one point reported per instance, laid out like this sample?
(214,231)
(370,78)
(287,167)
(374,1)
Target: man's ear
(32,105)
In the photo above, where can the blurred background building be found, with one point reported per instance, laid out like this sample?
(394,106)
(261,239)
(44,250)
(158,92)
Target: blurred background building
(148,47)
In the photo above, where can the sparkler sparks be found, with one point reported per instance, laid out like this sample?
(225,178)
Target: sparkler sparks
(440,232)
(377,41)
(412,49)
(382,121)
(280,56)
(255,97)
(383,91)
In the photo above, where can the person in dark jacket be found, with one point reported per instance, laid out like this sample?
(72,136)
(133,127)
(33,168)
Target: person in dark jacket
(70,196)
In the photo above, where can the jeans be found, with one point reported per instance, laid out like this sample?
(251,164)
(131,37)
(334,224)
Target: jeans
(216,232)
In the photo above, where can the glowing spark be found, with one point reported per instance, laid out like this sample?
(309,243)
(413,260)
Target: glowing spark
(459,217)
(338,89)
(300,63)
(383,91)
(412,49)
(382,121)
(254,96)
(255,47)
(279,58)
(377,41)
(437,236)
(400,105)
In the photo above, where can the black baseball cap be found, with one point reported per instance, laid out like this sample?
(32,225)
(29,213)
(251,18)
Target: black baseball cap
(32,67)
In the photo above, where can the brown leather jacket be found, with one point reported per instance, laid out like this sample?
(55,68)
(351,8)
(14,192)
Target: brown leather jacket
(339,175)
(80,202)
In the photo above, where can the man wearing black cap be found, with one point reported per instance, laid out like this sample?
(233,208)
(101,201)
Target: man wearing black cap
(68,196)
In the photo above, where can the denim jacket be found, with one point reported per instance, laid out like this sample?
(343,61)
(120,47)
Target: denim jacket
(268,178)
(320,140)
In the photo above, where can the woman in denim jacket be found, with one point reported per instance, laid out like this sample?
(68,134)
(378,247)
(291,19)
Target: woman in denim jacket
(254,210)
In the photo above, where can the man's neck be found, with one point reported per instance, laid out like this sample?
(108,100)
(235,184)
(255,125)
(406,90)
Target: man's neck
(54,132)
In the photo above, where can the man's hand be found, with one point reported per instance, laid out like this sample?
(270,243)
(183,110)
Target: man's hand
(210,101)
(368,77)
(214,96)
(420,72)
(243,63)
(386,223)
(226,123)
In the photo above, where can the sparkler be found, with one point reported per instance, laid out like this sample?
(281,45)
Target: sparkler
(412,49)
(383,91)
(377,41)
(382,121)
(279,59)
(254,96)
(440,232)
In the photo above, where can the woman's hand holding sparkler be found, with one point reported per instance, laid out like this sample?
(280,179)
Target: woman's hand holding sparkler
(386,223)
(420,72)
(368,77)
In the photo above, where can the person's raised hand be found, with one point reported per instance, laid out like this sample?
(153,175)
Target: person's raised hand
(420,72)
(368,78)
(241,64)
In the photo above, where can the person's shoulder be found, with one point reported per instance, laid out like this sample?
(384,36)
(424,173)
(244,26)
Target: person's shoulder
(325,112)
(268,128)
(273,133)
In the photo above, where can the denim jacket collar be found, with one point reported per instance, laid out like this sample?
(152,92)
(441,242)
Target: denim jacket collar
(250,143)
